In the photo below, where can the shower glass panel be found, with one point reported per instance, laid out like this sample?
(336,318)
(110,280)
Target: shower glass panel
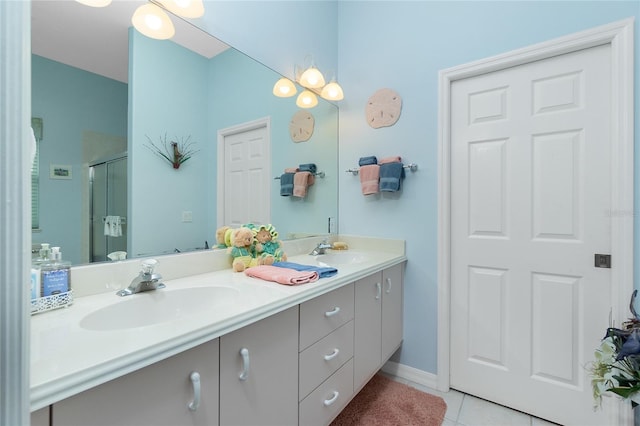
(108,208)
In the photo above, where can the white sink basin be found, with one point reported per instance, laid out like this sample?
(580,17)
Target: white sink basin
(341,257)
(159,306)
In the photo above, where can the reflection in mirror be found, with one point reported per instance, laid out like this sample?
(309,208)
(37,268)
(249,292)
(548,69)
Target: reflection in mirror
(89,119)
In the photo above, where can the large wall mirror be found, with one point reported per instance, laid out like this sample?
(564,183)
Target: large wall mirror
(104,103)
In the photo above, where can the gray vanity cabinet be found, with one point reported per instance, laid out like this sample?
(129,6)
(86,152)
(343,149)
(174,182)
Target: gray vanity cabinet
(160,394)
(259,372)
(378,322)
(40,417)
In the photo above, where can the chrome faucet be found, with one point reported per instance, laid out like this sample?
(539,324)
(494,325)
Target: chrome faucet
(145,281)
(320,248)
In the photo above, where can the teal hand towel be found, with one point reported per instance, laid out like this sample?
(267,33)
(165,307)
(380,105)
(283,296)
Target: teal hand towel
(391,174)
(308,167)
(286,184)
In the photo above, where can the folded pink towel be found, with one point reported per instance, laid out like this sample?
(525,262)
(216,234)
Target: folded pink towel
(280,275)
(291,170)
(369,177)
(301,181)
(394,159)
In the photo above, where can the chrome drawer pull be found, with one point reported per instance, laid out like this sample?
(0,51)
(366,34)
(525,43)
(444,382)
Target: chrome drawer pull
(333,312)
(195,381)
(244,375)
(328,402)
(388,286)
(332,355)
(378,291)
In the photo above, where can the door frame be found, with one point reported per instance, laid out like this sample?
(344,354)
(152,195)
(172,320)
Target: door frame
(620,36)
(223,133)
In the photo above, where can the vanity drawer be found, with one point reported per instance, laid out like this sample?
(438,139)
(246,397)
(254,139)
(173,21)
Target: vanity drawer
(322,315)
(324,357)
(323,404)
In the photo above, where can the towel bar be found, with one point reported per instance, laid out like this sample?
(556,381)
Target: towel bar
(318,174)
(411,166)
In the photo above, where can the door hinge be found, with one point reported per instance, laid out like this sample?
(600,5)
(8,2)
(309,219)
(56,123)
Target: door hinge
(602,260)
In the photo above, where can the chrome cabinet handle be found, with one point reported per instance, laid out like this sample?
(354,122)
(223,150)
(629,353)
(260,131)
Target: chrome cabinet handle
(195,381)
(244,375)
(328,402)
(378,291)
(388,286)
(332,312)
(332,355)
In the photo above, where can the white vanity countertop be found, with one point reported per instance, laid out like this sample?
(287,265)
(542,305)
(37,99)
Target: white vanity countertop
(67,359)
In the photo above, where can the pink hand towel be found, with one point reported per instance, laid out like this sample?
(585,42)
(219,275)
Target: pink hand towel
(280,275)
(394,159)
(301,181)
(369,177)
(291,170)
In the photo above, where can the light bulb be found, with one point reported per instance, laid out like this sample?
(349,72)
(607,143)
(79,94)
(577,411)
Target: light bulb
(307,99)
(153,22)
(284,88)
(184,8)
(312,78)
(332,92)
(95,3)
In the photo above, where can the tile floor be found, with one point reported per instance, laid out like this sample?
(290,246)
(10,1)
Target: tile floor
(467,410)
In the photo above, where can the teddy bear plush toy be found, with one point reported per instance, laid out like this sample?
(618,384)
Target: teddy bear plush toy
(242,249)
(267,246)
(223,237)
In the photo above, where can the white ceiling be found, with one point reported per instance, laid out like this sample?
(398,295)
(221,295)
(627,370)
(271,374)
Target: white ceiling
(96,39)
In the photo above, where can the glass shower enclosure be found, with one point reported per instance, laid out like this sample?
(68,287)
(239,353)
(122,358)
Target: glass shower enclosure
(108,207)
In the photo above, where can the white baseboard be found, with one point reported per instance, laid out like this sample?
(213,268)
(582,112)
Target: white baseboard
(402,371)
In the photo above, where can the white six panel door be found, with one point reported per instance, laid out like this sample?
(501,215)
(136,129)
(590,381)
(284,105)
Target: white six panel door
(530,206)
(247,183)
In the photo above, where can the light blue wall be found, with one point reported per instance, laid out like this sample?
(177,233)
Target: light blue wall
(277,33)
(403,45)
(70,101)
(166,95)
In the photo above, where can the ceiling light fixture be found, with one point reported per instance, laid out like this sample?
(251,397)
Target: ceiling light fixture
(151,19)
(313,82)
(153,22)
(184,8)
(95,3)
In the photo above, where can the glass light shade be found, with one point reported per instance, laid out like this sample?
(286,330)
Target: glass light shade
(153,22)
(332,92)
(307,99)
(284,88)
(95,3)
(184,8)
(312,78)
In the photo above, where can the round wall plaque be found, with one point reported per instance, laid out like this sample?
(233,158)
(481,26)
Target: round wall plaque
(301,126)
(383,108)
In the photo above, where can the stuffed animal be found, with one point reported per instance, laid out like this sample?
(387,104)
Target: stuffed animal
(267,246)
(223,237)
(242,249)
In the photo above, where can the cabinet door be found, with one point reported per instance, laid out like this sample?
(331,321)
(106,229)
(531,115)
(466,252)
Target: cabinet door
(259,386)
(392,299)
(368,335)
(40,417)
(156,395)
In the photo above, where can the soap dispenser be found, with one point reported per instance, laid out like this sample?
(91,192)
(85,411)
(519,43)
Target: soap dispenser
(36,264)
(56,274)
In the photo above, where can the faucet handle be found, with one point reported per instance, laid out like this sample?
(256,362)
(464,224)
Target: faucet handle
(148,266)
